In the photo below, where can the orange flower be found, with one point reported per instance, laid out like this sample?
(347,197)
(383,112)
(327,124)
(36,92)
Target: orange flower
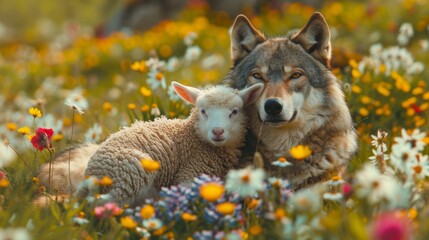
(226,208)
(300,152)
(150,165)
(211,191)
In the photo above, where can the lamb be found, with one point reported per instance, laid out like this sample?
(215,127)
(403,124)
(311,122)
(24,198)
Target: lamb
(207,142)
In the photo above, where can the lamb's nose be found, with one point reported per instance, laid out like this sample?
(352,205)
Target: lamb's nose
(273,107)
(217,131)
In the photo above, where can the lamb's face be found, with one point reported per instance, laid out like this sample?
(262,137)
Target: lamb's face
(221,124)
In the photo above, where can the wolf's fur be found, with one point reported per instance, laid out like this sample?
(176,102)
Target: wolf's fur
(302,102)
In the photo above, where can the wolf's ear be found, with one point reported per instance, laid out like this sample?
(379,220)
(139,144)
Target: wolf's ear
(315,38)
(189,94)
(244,38)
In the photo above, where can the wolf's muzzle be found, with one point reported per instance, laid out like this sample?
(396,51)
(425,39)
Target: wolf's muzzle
(273,107)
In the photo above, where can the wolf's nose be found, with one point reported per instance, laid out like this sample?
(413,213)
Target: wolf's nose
(273,107)
(217,131)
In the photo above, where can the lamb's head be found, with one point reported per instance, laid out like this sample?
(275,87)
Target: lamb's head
(221,120)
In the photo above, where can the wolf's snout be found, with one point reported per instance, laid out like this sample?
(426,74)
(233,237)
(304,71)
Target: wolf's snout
(273,107)
(217,131)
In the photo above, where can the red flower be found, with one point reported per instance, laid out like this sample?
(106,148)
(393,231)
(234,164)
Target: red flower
(42,139)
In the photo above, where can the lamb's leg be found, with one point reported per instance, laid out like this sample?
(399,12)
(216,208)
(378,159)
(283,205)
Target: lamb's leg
(123,166)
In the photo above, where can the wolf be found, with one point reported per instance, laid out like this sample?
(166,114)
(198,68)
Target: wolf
(302,102)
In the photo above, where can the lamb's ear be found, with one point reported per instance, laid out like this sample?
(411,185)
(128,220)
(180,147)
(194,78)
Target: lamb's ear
(189,94)
(315,38)
(244,38)
(251,94)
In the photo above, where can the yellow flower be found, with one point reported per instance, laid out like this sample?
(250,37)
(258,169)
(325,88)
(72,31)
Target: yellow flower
(128,222)
(353,63)
(300,152)
(105,181)
(4,183)
(365,99)
(35,112)
(255,230)
(145,108)
(11,126)
(150,165)
(226,208)
(412,213)
(36,180)
(279,213)
(145,92)
(189,217)
(356,73)
(147,211)
(418,91)
(24,130)
(211,191)
(426,96)
(57,137)
(363,112)
(131,106)
(139,66)
(356,89)
(253,203)
(383,91)
(107,107)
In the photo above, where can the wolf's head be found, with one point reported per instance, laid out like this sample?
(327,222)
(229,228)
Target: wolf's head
(293,69)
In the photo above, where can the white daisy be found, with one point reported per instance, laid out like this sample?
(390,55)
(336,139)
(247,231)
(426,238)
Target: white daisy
(192,53)
(93,134)
(415,139)
(245,182)
(278,182)
(333,196)
(306,200)
(419,169)
(281,162)
(156,79)
(402,153)
(152,223)
(378,141)
(372,185)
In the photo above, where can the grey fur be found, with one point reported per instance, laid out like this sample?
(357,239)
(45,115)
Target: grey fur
(323,121)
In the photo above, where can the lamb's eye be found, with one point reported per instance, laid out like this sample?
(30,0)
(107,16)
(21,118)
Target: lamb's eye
(233,112)
(257,76)
(296,75)
(203,112)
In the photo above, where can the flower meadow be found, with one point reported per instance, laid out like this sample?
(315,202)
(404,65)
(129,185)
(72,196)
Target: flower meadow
(74,88)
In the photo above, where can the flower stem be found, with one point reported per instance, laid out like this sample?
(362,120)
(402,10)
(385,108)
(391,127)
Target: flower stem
(70,146)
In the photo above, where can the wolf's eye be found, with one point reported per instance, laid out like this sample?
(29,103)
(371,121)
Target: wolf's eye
(296,75)
(257,76)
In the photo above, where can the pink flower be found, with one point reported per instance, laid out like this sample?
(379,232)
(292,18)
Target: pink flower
(108,210)
(391,226)
(347,190)
(42,138)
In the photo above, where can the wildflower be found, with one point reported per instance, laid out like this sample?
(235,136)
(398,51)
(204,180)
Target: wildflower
(7,154)
(152,224)
(245,182)
(378,141)
(108,210)
(93,134)
(144,108)
(306,200)
(42,139)
(172,64)
(35,112)
(131,106)
(192,53)
(379,159)
(57,137)
(105,181)
(155,110)
(333,196)
(415,139)
(253,203)
(24,130)
(300,152)
(281,162)
(107,106)
(189,38)
(406,31)
(146,92)
(11,126)
(335,181)
(150,165)
(419,169)
(139,66)
(143,233)
(255,230)
(189,217)
(75,107)
(156,79)
(278,182)
(391,225)
(147,211)
(211,191)
(77,101)
(374,186)
(402,153)
(4,182)
(128,222)
(226,208)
